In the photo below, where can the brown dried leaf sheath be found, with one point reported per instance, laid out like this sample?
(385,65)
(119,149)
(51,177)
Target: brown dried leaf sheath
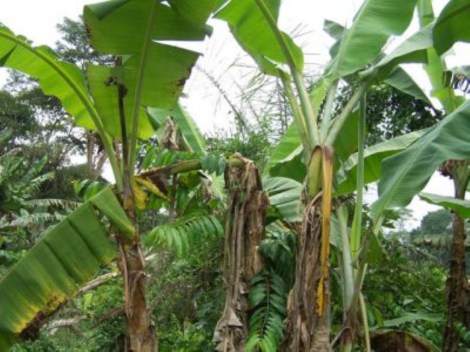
(244,230)
(305,329)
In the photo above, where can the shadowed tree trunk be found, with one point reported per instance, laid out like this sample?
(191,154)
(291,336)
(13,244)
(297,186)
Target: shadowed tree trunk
(244,230)
(306,328)
(457,288)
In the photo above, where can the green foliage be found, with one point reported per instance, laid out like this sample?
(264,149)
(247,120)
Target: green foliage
(377,20)
(185,232)
(346,177)
(246,18)
(286,157)
(284,198)
(392,113)
(451,25)
(459,206)
(15,115)
(101,330)
(269,289)
(69,255)
(156,156)
(254,145)
(406,291)
(40,345)
(278,250)
(437,222)
(86,189)
(20,181)
(74,46)
(187,296)
(406,173)
(267,297)
(190,337)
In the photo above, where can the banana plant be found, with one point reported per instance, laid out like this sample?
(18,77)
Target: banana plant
(321,136)
(118,103)
(444,147)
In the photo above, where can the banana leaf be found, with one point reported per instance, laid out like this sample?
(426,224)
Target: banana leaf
(452,25)
(66,257)
(406,173)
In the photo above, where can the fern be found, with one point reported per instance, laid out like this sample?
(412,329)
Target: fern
(185,232)
(267,299)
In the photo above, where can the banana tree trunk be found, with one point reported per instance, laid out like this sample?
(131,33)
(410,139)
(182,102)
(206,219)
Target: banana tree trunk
(350,326)
(306,327)
(458,307)
(244,230)
(457,287)
(140,332)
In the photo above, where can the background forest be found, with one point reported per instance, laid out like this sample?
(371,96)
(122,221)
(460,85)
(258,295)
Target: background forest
(241,231)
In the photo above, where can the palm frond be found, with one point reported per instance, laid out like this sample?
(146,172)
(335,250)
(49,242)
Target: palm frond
(5,135)
(34,185)
(185,232)
(157,157)
(34,171)
(28,220)
(52,203)
(213,164)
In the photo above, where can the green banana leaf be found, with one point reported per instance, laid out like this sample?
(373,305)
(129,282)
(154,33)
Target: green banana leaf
(334,29)
(373,156)
(461,207)
(347,140)
(452,25)
(285,195)
(401,80)
(406,173)
(55,77)
(436,66)
(408,317)
(412,50)
(105,96)
(151,72)
(255,35)
(67,256)
(286,158)
(375,22)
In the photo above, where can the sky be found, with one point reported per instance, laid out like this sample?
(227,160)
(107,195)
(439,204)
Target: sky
(37,21)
